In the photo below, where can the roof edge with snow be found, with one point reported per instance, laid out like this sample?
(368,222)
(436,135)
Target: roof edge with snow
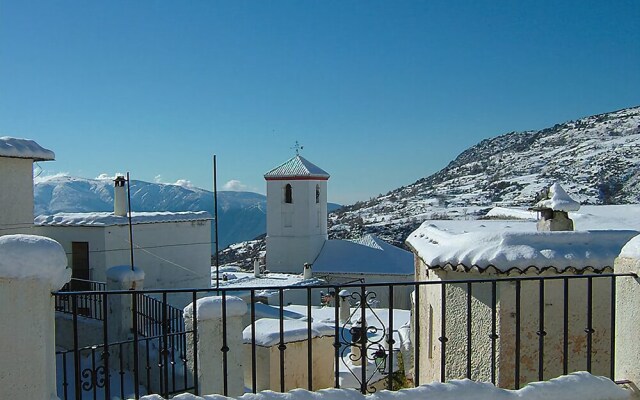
(24,148)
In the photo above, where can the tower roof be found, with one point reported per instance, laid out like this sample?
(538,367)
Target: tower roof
(297,167)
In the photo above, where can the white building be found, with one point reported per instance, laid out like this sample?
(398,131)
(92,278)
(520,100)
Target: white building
(296,214)
(16,174)
(504,253)
(297,235)
(172,248)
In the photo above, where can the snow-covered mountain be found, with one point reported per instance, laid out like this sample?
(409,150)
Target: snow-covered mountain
(242,215)
(596,159)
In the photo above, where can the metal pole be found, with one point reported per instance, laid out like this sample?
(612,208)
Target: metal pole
(215,217)
(130,225)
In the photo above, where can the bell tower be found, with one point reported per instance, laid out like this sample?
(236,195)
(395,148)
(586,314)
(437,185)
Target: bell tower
(296,214)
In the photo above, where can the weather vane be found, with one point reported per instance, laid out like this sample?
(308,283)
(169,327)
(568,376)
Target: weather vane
(297,147)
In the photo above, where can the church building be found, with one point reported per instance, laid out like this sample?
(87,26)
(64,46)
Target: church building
(297,235)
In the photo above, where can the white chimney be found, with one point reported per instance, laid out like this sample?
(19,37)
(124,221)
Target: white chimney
(306,272)
(119,197)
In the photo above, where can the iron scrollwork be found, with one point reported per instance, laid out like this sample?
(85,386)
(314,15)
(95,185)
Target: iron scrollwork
(365,346)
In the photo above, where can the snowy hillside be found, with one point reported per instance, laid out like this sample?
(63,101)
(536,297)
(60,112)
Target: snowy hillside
(596,159)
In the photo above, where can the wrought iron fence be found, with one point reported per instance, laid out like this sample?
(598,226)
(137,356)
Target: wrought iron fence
(89,304)
(508,331)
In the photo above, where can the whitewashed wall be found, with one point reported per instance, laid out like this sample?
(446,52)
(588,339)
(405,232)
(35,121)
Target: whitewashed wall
(430,309)
(296,231)
(94,235)
(172,254)
(16,195)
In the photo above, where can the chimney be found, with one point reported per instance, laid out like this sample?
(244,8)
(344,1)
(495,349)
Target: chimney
(119,197)
(256,268)
(306,272)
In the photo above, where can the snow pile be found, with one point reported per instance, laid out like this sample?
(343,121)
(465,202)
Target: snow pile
(518,249)
(124,274)
(24,148)
(268,331)
(108,219)
(247,280)
(577,386)
(33,257)
(558,200)
(211,308)
(510,213)
(632,248)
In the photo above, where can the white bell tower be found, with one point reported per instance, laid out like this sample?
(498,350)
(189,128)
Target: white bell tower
(296,214)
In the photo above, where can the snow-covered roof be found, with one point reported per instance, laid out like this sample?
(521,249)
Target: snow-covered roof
(108,219)
(247,280)
(507,250)
(297,167)
(368,255)
(558,200)
(24,148)
(268,331)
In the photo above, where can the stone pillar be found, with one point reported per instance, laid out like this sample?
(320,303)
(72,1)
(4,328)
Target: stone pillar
(627,351)
(209,340)
(30,268)
(122,277)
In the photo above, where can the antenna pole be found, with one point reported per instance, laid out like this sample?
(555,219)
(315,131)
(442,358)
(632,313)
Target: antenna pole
(130,224)
(215,217)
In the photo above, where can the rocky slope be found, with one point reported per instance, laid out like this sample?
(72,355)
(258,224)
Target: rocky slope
(596,159)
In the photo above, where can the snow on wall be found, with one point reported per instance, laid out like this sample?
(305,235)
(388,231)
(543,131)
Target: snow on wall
(577,386)
(109,219)
(268,331)
(24,148)
(632,248)
(519,249)
(211,308)
(33,257)
(124,274)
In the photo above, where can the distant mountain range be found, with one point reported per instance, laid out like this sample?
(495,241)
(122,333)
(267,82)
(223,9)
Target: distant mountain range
(242,215)
(596,159)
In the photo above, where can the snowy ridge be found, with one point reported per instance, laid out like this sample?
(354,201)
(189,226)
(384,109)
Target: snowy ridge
(241,214)
(596,160)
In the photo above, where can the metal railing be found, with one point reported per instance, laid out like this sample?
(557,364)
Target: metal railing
(89,305)
(508,331)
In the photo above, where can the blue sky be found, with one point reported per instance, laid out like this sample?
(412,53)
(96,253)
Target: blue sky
(379,93)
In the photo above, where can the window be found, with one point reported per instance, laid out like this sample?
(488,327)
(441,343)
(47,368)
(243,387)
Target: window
(317,194)
(288,197)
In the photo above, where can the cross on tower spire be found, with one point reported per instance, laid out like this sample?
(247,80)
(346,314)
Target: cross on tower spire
(297,147)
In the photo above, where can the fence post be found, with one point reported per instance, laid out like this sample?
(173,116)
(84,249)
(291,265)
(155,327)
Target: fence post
(30,268)
(627,318)
(120,327)
(122,277)
(210,342)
